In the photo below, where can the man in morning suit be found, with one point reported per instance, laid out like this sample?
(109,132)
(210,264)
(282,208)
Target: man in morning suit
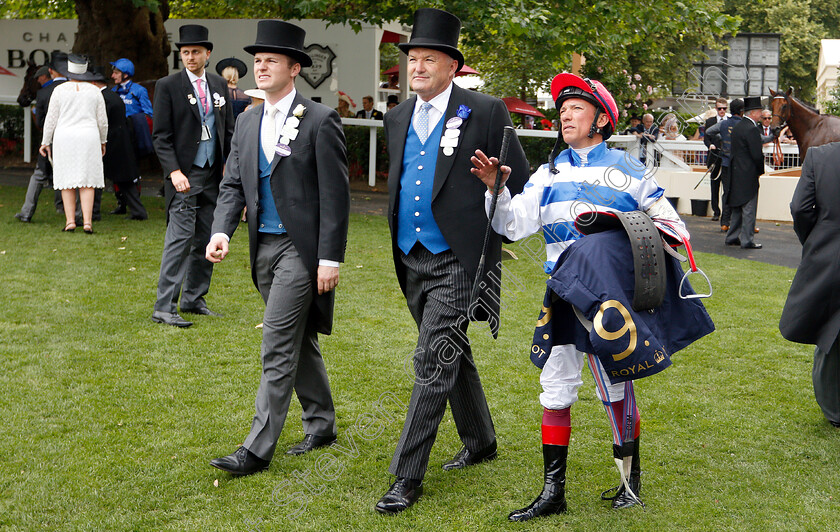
(42,176)
(437,221)
(809,316)
(288,165)
(746,166)
(193,124)
(713,158)
(368,111)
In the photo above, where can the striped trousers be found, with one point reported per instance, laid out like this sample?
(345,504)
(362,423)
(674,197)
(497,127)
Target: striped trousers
(437,294)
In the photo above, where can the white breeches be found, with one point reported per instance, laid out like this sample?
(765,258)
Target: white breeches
(561,378)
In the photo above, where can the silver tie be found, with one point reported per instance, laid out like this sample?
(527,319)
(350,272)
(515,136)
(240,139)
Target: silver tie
(423,122)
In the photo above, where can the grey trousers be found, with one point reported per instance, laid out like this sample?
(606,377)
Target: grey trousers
(826,377)
(37,182)
(184,272)
(743,223)
(291,357)
(437,293)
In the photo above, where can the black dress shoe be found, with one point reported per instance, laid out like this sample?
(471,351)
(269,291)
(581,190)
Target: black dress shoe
(715,218)
(138,217)
(736,242)
(242,462)
(203,311)
(466,458)
(22,218)
(170,318)
(119,210)
(403,493)
(311,442)
(752,245)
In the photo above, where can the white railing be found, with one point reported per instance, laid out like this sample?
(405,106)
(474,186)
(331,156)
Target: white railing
(676,154)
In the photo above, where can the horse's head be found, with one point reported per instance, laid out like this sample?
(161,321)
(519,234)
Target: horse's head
(780,107)
(30,85)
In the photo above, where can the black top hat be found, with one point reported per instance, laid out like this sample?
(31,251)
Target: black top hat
(98,73)
(278,37)
(752,102)
(241,69)
(393,98)
(194,35)
(435,29)
(58,61)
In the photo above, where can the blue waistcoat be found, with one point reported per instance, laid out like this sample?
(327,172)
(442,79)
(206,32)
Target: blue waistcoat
(415,222)
(269,219)
(206,154)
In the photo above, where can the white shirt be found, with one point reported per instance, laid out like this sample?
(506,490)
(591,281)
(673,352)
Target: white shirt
(438,109)
(283,107)
(193,81)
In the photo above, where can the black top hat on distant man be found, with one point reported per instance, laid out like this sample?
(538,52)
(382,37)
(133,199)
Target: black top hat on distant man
(194,35)
(437,30)
(752,102)
(279,37)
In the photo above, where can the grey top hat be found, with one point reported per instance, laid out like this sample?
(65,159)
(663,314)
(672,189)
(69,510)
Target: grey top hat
(752,102)
(279,37)
(435,29)
(58,61)
(77,68)
(194,35)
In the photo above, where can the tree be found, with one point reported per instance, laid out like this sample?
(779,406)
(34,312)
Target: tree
(832,105)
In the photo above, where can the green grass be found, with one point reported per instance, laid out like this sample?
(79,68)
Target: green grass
(108,421)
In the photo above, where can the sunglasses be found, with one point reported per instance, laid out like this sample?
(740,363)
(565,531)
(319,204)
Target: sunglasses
(767,118)
(721,108)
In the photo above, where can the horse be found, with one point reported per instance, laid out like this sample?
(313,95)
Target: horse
(30,85)
(808,126)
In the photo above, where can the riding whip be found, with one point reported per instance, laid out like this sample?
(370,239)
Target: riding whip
(508,132)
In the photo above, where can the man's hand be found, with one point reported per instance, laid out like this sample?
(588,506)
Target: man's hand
(45,150)
(327,278)
(180,181)
(217,249)
(103,149)
(485,169)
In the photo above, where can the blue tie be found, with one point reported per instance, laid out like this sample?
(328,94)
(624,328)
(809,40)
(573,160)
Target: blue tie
(423,122)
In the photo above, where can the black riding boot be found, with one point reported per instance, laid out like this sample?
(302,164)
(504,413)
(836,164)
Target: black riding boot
(120,201)
(552,500)
(622,499)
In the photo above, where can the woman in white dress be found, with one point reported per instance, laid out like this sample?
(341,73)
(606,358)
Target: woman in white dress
(75,130)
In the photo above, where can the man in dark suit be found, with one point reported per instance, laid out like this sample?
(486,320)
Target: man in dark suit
(119,164)
(764,128)
(746,166)
(713,158)
(42,176)
(809,317)
(368,111)
(437,221)
(288,165)
(193,124)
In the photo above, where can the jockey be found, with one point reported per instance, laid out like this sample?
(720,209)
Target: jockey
(588,176)
(135,97)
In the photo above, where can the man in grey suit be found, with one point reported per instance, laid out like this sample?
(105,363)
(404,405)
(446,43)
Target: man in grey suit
(437,221)
(193,124)
(288,165)
(811,315)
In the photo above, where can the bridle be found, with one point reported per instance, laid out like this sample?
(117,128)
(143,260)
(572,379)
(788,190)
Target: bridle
(782,120)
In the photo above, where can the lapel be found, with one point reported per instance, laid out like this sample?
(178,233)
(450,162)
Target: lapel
(444,163)
(187,89)
(399,118)
(297,100)
(217,111)
(249,157)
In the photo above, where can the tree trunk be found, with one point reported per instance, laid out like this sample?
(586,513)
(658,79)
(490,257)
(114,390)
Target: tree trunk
(111,29)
